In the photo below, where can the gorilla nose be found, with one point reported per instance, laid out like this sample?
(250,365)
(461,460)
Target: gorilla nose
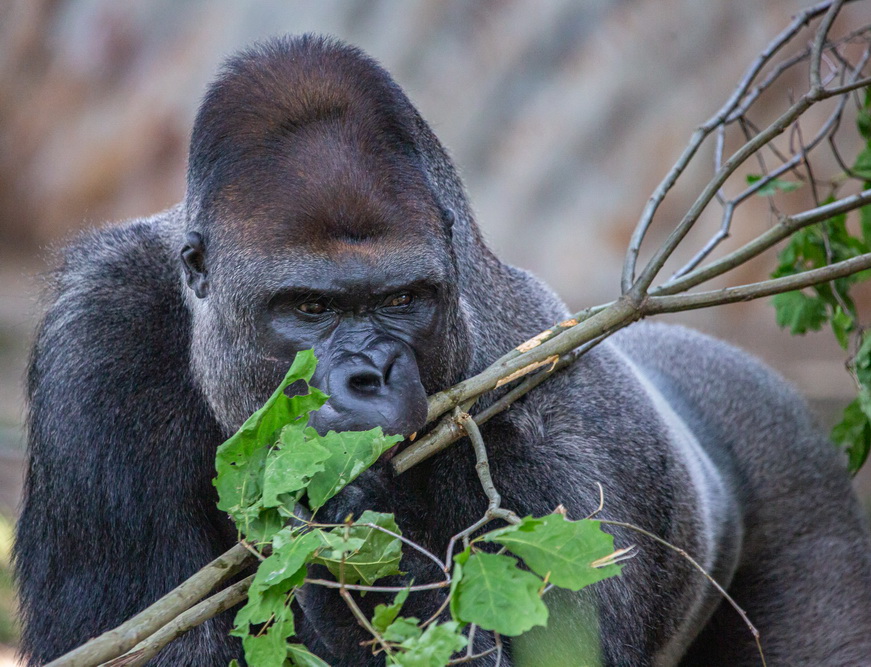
(369,380)
(376,387)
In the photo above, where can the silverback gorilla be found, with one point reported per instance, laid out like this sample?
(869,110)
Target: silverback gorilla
(321,212)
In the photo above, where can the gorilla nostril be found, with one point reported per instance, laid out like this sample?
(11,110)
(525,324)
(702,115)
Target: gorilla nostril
(388,370)
(367,382)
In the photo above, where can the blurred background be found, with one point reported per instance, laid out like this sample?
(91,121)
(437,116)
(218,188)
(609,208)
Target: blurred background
(562,116)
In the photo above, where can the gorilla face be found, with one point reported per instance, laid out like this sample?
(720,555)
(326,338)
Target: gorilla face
(323,243)
(367,335)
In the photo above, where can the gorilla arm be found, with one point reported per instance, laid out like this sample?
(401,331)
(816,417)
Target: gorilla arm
(119,507)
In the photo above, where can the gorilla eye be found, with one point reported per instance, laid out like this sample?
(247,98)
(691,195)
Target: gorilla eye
(312,307)
(402,299)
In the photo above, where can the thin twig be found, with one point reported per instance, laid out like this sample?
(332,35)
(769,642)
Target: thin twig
(695,564)
(787,226)
(721,235)
(438,612)
(601,504)
(498,639)
(362,620)
(819,41)
(326,583)
(476,656)
(252,550)
(482,465)
(680,302)
(464,535)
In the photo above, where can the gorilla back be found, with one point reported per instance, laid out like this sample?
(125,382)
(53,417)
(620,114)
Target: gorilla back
(321,212)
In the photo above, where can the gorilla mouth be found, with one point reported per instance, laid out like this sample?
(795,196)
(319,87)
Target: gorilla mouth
(404,443)
(393,451)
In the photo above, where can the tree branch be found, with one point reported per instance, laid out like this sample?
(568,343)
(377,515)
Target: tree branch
(193,617)
(673,304)
(702,133)
(782,230)
(127,635)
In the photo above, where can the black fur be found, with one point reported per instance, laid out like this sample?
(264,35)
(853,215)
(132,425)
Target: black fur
(309,165)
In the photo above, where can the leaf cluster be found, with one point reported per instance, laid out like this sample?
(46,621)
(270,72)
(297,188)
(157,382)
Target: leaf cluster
(276,462)
(832,303)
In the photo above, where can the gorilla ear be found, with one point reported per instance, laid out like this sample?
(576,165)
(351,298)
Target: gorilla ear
(448,219)
(193,258)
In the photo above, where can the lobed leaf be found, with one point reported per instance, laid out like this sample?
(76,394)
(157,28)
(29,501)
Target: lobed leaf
(403,629)
(799,312)
(241,461)
(433,648)
(373,553)
(497,595)
(291,465)
(285,567)
(559,549)
(385,614)
(269,649)
(351,452)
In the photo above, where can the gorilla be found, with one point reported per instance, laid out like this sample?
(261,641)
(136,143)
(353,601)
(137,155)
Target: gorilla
(321,212)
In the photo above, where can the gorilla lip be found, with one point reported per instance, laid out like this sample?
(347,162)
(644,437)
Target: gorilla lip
(398,447)
(393,451)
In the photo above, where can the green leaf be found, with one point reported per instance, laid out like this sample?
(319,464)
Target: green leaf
(499,596)
(258,523)
(799,312)
(241,460)
(375,554)
(842,325)
(865,223)
(351,453)
(300,656)
(262,605)
(863,123)
(862,166)
(853,433)
(286,566)
(385,614)
(291,465)
(862,362)
(402,629)
(338,545)
(433,648)
(773,186)
(562,550)
(269,649)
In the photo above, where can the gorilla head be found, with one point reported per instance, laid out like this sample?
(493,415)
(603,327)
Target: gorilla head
(345,249)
